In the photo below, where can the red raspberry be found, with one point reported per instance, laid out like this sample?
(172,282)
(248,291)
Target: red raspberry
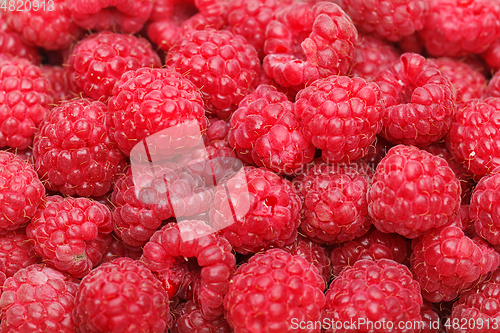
(256,210)
(59,82)
(97,62)
(265,131)
(307,42)
(190,320)
(24,100)
(71,234)
(372,55)
(474,136)
(12,45)
(121,296)
(195,239)
(413,191)
(147,101)
(456,28)
(494,86)
(340,115)
(38,299)
(222,65)
(468,82)
(446,262)
(180,278)
(116,15)
(419,99)
(335,207)
(118,249)
(492,56)
(49,26)
(374,290)
(16,251)
(431,322)
(273,290)
(376,152)
(74,153)
(373,245)
(388,19)
(412,43)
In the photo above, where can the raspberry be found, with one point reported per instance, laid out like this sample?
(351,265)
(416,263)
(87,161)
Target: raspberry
(273,290)
(12,45)
(71,234)
(413,191)
(307,42)
(335,207)
(474,136)
(468,82)
(16,251)
(456,28)
(118,249)
(74,153)
(49,26)
(59,82)
(412,43)
(190,239)
(340,115)
(376,152)
(180,279)
(190,320)
(492,55)
(25,98)
(389,19)
(430,319)
(419,99)
(21,192)
(98,61)
(116,15)
(147,101)
(372,55)
(38,299)
(373,245)
(222,65)
(374,290)
(265,131)
(121,296)
(494,86)
(256,210)
(446,262)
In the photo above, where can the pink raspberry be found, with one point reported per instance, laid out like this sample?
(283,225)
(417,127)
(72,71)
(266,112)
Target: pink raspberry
(98,61)
(474,136)
(74,153)
(16,251)
(456,28)
(446,262)
(127,16)
(59,82)
(492,55)
(256,210)
(494,86)
(71,234)
(335,206)
(195,239)
(307,42)
(265,131)
(25,98)
(38,299)
(222,65)
(191,320)
(413,191)
(373,245)
(419,99)
(12,45)
(341,116)
(388,19)
(372,55)
(374,290)
(121,296)
(271,291)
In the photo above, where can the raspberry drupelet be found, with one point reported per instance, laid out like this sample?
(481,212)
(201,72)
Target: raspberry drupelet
(372,55)
(16,251)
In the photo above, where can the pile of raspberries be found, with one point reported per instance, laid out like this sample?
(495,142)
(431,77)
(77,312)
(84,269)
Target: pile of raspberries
(250,166)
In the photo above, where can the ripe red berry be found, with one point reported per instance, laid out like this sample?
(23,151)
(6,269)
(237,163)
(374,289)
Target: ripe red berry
(372,55)
(16,251)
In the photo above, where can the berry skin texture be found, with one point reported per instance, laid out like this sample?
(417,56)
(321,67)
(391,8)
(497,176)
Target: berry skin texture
(121,296)
(307,42)
(419,99)
(58,78)
(271,290)
(222,65)
(21,192)
(494,86)
(389,19)
(492,56)
(256,210)
(266,132)
(74,153)
(12,45)
(372,55)
(413,191)
(16,251)
(474,136)
(71,234)
(99,60)
(147,101)
(341,116)
(190,320)
(38,299)
(447,263)
(456,28)
(376,290)
(24,100)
